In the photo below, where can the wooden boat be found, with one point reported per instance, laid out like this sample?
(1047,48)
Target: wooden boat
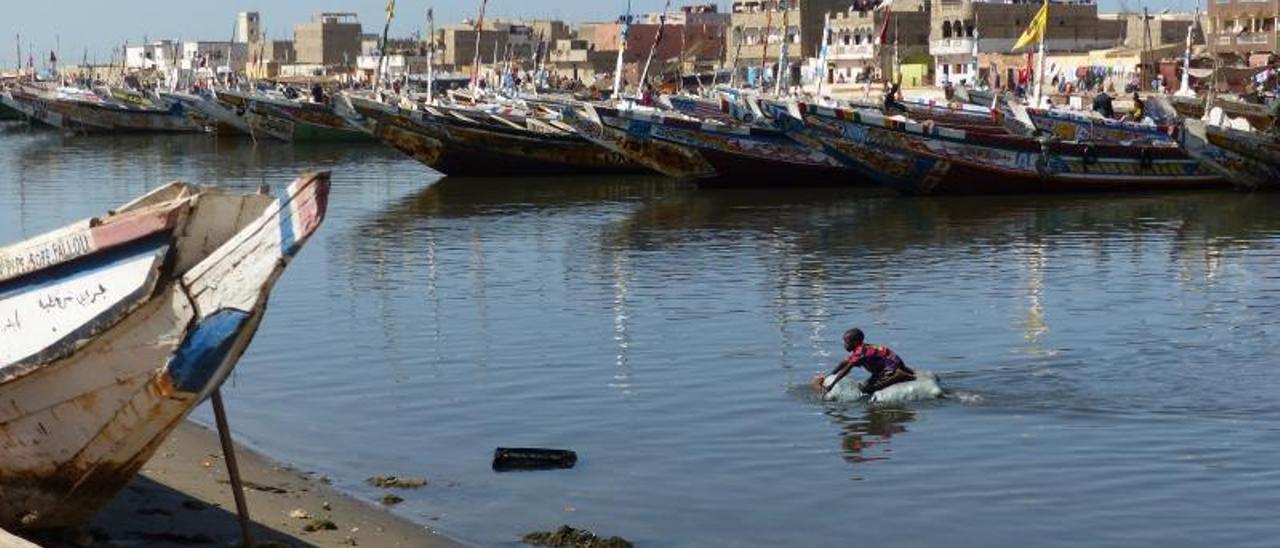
(207,110)
(710,152)
(1083,127)
(1193,107)
(290,120)
(471,143)
(112,329)
(970,118)
(83,112)
(916,158)
(1249,160)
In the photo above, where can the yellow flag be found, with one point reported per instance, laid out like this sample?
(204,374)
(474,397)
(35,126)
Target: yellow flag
(391,8)
(1035,31)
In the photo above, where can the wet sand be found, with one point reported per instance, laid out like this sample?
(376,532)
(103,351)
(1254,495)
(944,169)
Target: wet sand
(181,498)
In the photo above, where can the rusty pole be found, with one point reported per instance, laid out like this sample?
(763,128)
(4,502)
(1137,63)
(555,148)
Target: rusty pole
(229,453)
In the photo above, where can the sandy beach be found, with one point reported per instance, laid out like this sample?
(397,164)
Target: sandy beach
(181,498)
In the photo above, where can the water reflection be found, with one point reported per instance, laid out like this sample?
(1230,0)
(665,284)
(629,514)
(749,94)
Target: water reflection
(866,431)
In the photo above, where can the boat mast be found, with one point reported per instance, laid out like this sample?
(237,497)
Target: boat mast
(782,51)
(1044,31)
(764,53)
(431,50)
(475,65)
(737,54)
(662,23)
(382,50)
(822,56)
(1184,88)
(622,48)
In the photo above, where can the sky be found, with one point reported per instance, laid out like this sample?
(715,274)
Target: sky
(95,27)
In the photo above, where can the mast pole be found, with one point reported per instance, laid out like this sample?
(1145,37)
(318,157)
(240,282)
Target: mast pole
(662,22)
(622,48)
(782,51)
(475,65)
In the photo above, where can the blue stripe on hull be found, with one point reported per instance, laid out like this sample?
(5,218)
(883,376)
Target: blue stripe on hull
(205,348)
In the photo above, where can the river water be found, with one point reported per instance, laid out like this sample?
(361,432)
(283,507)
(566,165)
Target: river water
(1115,356)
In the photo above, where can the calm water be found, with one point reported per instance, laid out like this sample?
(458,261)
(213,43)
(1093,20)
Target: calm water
(1117,354)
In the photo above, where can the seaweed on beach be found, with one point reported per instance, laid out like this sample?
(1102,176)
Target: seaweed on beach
(392,482)
(568,537)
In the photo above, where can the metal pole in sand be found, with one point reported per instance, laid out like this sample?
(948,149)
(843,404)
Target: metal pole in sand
(229,453)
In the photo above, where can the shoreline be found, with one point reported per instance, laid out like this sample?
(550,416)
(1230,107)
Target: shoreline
(181,497)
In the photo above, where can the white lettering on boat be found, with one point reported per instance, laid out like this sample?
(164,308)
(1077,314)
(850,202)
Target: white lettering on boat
(45,254)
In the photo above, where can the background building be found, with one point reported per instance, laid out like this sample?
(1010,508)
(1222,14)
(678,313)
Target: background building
(1245,31)
(330,39)
(753,23)
(856,54)
(248,27)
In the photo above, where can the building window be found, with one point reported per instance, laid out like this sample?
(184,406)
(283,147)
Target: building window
(946,29)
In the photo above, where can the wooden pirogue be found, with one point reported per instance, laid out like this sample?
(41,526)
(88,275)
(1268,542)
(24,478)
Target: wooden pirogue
(112,329)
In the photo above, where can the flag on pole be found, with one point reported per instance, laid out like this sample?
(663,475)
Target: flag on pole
(1036,29)
(391,9)
(884,27)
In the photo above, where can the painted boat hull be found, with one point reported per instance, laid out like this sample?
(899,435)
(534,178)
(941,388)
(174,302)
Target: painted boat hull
(738,156)
(463,149)
(137,318)
(1249,160)
(292,121)
(1084,128)
(82,117)
(916,159)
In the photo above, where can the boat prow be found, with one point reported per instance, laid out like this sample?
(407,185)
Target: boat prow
(114,328)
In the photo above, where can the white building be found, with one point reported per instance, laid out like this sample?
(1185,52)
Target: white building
(161,55)
(214,56)
(393,65)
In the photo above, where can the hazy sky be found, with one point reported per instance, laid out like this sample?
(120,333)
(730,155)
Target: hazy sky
(100,25)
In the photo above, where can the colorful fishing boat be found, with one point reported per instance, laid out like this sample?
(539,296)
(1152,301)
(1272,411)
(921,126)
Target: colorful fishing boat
(80,111)
(290,120)
(1250,160)
(112,329)
(710,152)
(916,158)
(473,143)
(206,110)
(1087,127)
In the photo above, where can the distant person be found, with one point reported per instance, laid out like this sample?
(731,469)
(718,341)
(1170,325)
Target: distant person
(884,365)
(1139,109)
(1102,105)
(891,104)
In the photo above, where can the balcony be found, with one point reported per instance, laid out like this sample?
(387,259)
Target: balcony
(951,46)
(1252,39)
(852,52)
(569,56)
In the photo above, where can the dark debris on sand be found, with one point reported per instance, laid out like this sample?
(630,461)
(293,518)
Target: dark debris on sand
(568,537)
(392,482)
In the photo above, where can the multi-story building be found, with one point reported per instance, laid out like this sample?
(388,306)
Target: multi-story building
(701,14)
(215,56)
(248,27)
(1243,28)
(756,35)
(963,29)
(857,51)
(459,45)
(330,39)
(161,55)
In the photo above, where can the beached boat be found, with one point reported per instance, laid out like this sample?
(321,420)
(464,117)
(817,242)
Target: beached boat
(207,110)
(1249,160)
(709,152)
(918,158)
(473,143)
(290,120)
(1086,127)
(80,111)
(1258,116)
(112,329)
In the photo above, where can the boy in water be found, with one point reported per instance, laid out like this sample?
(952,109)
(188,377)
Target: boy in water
(884,365)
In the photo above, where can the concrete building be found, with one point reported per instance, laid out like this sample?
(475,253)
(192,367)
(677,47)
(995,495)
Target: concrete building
(160,55)
(214,56)
(1166,28)
(756,29)
(248,27)
(961,30)
(330,39)
(459,46)
(700,14)
(855,52)
(1247,30)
